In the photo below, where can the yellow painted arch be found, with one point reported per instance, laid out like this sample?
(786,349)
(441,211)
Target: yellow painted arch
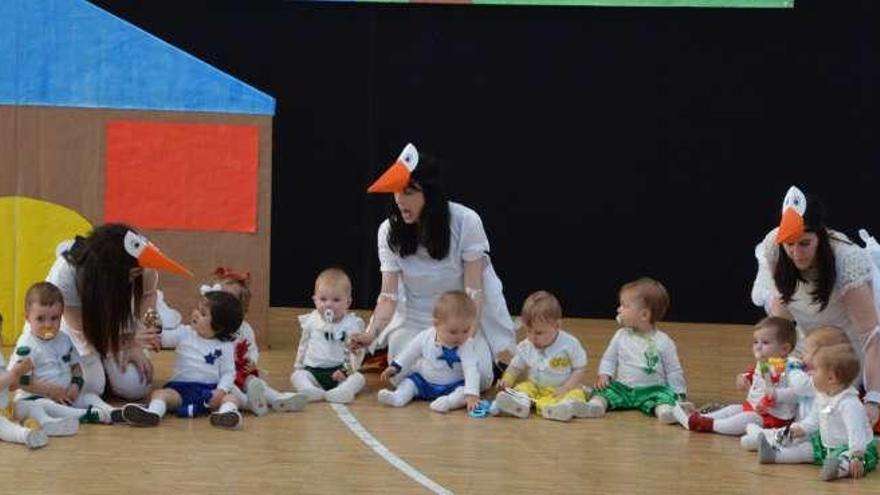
(30,230)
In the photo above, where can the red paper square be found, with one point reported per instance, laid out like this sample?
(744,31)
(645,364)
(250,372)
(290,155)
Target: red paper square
(163,175)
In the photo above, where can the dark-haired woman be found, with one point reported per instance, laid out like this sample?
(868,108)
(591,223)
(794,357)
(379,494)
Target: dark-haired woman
(108,282)
(427,246)
(818,277)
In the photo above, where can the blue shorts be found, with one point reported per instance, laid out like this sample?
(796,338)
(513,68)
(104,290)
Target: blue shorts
(426,390)
(195,397)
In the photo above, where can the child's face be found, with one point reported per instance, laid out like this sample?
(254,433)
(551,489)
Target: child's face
(453,331)
(765,345)
(201,320)
(632,312)
(825,380)
(331,301)
(44,320)
(542,333)
(810,348)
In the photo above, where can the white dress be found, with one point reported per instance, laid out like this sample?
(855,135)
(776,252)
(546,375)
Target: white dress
(423,279)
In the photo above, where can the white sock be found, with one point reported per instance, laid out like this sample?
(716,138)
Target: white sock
(158,406)
(228,407)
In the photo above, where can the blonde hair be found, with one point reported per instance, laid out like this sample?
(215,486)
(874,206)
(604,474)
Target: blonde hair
(827,336)
(455,303)
(540,306)
(334,278)
(784,330)
(841,360)
(652,294)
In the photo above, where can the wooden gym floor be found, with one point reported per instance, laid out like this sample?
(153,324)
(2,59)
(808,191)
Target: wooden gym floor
(314,451)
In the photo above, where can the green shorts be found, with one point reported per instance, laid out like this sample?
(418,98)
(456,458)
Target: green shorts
(325,376)
(820,452)
(645,399)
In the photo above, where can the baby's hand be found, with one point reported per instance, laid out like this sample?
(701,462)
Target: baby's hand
(742,383)
(796,431)
(339,376)
(57,393)
(248,367)
(217,397)
(602,382)
(856,467)
(22,367)
(388,373)
(72,392)
(471,401)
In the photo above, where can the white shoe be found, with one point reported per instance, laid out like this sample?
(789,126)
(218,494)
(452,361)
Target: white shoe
(386,397)
(749,441)
(514,403)
(580,409)
(558,412)
(36,439)
(228,419)
(664,414)
(593,410)
(61,427)
(289,402)
(256,396)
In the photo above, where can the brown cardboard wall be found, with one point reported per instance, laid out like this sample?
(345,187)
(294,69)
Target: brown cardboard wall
(57,155)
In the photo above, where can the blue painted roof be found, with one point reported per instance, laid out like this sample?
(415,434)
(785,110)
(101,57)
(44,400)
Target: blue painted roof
(71,53)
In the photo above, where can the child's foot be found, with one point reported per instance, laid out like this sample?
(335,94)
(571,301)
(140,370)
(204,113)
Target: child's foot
(339,394)
(749,441)
(289,402)
(664,414)
(228,419)
(593,410)
(95,415)
(513,403)
(766,453)
(580,409)
(138,415)
(830,469)
(61,427)
(386,397)
(36,439)
(256,395)
(558,412)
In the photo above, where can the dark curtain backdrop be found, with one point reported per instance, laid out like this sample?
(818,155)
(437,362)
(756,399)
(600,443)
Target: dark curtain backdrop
(598,144)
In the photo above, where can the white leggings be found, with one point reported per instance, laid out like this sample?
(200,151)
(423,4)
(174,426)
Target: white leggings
(12,432)
(732,420)
(46,409)
(125,383)
(800,453)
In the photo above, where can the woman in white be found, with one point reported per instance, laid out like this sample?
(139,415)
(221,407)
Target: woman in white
(107,283)
(428,246)
(817,277)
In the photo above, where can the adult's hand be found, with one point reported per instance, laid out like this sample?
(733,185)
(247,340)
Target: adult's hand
(141,362)
(148,338)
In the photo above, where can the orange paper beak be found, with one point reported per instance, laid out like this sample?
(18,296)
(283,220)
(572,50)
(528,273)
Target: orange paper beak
(395,179)
(153,258)
(791,228)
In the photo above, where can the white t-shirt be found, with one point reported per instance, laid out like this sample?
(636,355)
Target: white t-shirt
(552,365)
(52,359)
(423,279)
(199,359)
(841,420)
(638,360)
(322,344)
(425,356)
(789,389)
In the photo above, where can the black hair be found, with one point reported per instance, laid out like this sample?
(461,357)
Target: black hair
(432,228)
(226,314)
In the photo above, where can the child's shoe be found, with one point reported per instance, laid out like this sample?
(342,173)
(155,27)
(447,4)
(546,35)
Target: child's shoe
(514,403)
(61,427)
(664,414)
(289,402)
(36,439)
(749,441)
(95,415)
(256,396)
(386,397)
(558,412)
(766,453)
(228,419)
(593,410)
(138,415)
(830,469)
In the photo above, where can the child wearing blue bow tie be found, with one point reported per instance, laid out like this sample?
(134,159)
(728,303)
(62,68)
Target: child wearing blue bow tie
(440,363)
(556,363)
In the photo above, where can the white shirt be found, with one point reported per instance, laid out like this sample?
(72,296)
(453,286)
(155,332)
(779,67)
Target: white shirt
(322,344)
(423,279)
(52,359)
(552,365)
(792,384)
(199,359)
(638,360)
(841,420)
(424,355)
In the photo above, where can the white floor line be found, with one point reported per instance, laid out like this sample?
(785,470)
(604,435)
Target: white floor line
(358,429)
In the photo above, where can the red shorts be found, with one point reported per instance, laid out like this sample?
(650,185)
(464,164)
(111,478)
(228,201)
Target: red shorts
(770,421)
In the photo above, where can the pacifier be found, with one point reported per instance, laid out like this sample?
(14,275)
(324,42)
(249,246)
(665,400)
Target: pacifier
(47,333)
(329,315)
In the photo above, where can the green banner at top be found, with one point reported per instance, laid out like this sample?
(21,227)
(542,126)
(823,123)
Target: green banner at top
(754,4)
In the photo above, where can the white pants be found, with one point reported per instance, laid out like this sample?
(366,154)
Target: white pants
(12,432)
